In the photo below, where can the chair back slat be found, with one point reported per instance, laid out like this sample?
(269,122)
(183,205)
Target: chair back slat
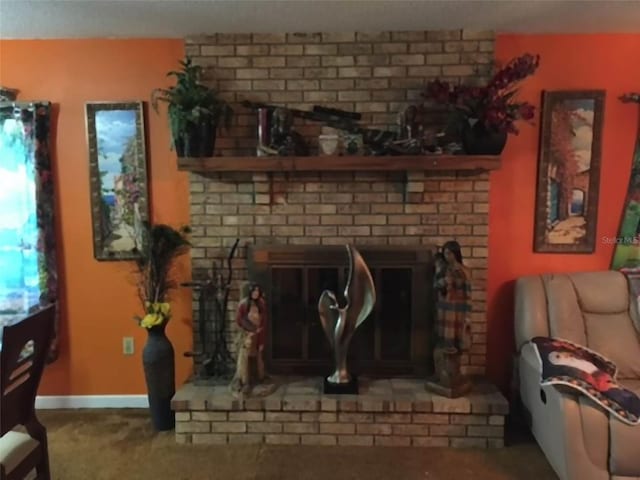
(24,351)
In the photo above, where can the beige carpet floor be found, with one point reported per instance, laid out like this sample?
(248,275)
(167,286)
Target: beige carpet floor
(120,445)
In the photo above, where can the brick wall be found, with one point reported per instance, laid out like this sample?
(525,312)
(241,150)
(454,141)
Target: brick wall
(377,75)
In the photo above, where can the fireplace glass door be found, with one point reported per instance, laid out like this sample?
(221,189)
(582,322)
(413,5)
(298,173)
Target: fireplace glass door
(298,344)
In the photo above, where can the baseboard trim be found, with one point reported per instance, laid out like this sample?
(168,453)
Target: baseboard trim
(56,402)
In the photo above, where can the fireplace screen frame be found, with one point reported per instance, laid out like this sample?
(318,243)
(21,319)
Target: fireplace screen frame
(263,259)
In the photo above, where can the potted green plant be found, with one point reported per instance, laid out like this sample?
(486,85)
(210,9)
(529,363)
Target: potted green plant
(160,246)
(195,111)
(483,116)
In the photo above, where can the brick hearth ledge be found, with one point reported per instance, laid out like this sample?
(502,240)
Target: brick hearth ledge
(389,412)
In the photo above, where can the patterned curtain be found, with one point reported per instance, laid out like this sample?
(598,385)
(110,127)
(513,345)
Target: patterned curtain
(28,268)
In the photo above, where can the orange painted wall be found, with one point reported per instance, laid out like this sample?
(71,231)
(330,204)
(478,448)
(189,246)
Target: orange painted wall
(98,298)
(570,62)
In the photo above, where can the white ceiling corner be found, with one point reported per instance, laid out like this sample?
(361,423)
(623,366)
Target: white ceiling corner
(178,19)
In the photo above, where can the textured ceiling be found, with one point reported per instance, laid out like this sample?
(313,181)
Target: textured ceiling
(169,18)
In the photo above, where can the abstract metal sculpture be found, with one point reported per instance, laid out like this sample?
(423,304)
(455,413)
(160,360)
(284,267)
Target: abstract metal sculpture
(339,323)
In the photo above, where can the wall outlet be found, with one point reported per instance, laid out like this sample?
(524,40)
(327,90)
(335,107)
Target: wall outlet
(127,346)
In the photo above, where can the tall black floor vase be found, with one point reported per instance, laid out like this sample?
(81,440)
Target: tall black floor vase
(159,372)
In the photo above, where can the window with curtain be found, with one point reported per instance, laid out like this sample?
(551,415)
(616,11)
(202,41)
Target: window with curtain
(28,274)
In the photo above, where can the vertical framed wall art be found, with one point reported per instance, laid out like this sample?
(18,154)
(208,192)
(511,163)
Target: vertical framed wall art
(568,180)
(626,253)
(118,177)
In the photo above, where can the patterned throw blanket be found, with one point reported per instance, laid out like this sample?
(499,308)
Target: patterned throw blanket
(565,363)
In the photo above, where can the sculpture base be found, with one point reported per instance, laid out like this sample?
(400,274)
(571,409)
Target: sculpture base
(350,388)
(455,390)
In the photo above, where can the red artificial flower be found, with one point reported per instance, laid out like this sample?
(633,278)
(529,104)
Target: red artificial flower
(493,104)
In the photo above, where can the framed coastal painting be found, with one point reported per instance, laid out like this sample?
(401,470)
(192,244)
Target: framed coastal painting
(118,177)
(568,179)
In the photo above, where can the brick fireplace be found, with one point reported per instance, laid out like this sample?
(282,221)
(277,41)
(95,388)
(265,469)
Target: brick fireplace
(333,209)
(376,74)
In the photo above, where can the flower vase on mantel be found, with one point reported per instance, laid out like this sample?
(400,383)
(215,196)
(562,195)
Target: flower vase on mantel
(478,140)
(158,359)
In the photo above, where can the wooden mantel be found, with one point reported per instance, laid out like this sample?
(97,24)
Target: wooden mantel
(341,163)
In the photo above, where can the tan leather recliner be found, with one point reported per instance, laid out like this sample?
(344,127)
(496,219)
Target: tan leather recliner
(593,309)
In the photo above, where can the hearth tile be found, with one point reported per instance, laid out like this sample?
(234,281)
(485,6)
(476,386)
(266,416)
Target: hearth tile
(182,398)
(479,405)
(308,403)
(423,403)
(407,384)
(313,382)
(304,386)
(403,392)
(273,402)
(301,391)
(179,405)
(499,404)
(254,403)
(219,390)
(329,403)
(348,403)
(378,386)
(451,405)
(369,403)
(403,404)
(198,400)
(224,402)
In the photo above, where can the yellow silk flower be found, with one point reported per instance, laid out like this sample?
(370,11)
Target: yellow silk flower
(158,312)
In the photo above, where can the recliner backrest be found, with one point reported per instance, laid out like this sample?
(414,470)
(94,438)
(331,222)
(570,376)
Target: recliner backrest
(592,309)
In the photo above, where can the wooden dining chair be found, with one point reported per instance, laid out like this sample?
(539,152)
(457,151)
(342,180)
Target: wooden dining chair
(23,439)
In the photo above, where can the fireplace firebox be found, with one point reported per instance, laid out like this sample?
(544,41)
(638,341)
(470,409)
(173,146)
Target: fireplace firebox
(396,339)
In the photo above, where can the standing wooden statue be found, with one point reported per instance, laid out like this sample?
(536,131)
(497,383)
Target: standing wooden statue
(251,318)
(453,329)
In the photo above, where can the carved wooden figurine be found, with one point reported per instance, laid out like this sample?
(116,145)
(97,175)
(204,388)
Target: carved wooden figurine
(251,318)
(453,330)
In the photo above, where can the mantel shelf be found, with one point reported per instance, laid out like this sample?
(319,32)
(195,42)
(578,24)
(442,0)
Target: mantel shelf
(341,163)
